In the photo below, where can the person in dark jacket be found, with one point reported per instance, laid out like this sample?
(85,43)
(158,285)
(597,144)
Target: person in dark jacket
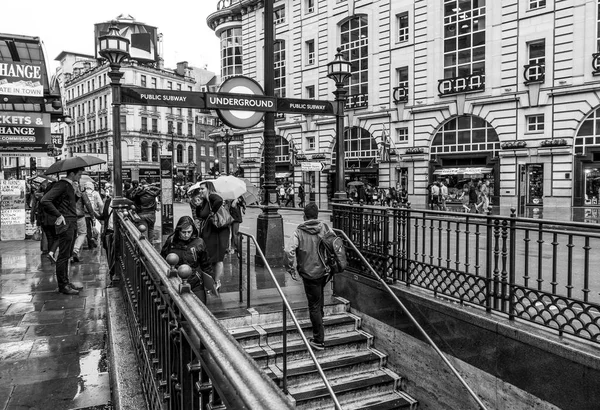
(191,250)
(303,251)
(144,197)
(107,236)
(237,208)
(60,205)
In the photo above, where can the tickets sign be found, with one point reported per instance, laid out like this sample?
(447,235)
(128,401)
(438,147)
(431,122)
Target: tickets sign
(24,131)
(21,79)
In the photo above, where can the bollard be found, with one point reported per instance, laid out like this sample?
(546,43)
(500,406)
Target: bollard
(172,259)
(184,272)
(142,228)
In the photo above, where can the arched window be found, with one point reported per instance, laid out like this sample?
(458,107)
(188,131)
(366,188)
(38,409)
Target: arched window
(282,150)
(279,62)
(360,148)
(179,153)
(355,48)
(144,151)
(465,134)
(191,154)
(155,152)
(589,132)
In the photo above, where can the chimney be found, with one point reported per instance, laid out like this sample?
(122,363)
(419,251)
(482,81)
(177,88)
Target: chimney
(182,67)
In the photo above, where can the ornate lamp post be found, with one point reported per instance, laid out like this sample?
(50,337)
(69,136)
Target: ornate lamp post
(339,71)
(226,135)
(115,49)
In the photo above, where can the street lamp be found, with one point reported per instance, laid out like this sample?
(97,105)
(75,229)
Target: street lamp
(339,71)
(115,49)
(226,135)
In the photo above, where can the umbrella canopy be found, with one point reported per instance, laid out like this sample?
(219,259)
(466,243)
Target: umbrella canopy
(228,187)
(355,183)
(250,198)
(84,179)
(73,163)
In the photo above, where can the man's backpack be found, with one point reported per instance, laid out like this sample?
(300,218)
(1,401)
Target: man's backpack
(332,252)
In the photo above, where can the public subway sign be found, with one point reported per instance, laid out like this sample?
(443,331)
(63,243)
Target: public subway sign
(163,98)
(21,79)
(24,131)
(306,107)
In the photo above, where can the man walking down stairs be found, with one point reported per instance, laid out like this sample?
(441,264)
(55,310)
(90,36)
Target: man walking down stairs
(354,368)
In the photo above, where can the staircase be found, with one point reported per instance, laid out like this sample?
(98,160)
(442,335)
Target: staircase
(356,371)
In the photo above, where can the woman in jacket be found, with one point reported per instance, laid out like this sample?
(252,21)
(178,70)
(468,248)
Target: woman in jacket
(186,243)
(216,239)
(237,208)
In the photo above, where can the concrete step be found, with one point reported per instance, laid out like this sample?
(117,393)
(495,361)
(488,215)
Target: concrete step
(393,400)
(304,372)
(348,389)
(273,332)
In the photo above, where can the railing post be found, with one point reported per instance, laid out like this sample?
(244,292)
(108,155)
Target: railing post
(488,264)
(408,243)
(511,269)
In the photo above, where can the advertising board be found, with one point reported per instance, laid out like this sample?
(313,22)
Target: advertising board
(24,131)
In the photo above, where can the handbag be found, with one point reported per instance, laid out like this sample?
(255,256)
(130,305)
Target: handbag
(222,218)
(37,235)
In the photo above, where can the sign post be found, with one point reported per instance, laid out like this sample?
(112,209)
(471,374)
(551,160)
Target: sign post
(166,198)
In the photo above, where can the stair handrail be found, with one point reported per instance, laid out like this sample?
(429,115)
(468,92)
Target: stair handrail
(411,318)
(294,319)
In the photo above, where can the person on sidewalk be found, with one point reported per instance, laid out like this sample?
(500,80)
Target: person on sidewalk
(302,252)
(60,205)
(290,193)
(107,236)
(82,206)
(144,197)
(186,243)
(90,221)
(237,208)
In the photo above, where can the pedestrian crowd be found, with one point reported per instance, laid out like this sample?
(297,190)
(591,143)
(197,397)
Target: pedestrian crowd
(474,196)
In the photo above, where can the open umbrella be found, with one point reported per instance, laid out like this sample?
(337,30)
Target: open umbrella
(355,183)
(250,198)
(228,187)
(85,179)
(73,163)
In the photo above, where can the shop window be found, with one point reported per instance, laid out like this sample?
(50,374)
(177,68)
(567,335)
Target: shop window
(535,184)
(592,185)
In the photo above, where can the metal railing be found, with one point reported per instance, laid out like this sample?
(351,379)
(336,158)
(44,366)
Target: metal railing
(186,358)
(250,239)
(535,270)
(391,293)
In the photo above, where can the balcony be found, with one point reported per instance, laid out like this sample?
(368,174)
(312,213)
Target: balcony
(458,85)
(596,63)
(534,73)
(400,94)
(355,101)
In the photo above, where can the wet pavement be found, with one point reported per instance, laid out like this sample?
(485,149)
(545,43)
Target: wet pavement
(52,346)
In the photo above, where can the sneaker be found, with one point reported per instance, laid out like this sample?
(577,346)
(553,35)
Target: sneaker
(316,345)
(74,286)
(51,256)
(75,257)
(68,290)
(217,285)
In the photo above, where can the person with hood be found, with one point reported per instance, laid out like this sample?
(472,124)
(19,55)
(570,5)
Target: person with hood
(303,251)
(144,197)
(186,243)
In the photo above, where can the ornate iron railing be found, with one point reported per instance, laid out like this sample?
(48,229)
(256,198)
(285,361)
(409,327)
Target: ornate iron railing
(530,269)
(186,358)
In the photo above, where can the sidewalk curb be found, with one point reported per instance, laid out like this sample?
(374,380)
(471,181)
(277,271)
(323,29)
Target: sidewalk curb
(126,386)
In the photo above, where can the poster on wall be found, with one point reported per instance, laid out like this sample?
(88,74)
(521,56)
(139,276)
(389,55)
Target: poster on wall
(166,200)
(12,210)
(24,131)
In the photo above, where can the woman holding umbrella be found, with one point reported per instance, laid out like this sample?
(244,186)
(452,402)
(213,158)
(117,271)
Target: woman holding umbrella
(216,239)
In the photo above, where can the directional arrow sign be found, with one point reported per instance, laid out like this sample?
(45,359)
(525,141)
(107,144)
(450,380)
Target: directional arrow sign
(163,98)
(312,166)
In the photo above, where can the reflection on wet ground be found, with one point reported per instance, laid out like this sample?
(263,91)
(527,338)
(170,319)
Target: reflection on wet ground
(52,346)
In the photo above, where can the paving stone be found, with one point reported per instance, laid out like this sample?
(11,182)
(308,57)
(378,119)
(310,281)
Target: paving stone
(13,351)
(62,329)
(43,318)
(22,308)
(38,369)
(12,333)
(5,393)
(63,304)
(10,320)
(93,326)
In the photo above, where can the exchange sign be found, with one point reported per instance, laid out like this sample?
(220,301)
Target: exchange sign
(24,131)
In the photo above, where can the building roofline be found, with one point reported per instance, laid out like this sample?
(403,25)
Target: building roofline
(63,53)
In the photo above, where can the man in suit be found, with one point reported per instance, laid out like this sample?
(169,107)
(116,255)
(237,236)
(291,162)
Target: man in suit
(60,205)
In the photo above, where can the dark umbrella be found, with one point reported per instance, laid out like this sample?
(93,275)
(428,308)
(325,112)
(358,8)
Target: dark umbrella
(73,163)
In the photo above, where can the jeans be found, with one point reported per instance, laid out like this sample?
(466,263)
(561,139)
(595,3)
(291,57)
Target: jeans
(81,235)
(314,294)
(51,237)
(149,218)
(65,243)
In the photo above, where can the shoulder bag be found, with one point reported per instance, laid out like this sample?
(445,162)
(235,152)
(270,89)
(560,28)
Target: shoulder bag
(222,218)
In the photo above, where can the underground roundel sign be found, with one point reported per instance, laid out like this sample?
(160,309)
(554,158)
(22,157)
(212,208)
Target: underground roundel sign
(240,102)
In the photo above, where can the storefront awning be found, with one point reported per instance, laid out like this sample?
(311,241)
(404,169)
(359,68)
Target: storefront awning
(282,175)
(463,171)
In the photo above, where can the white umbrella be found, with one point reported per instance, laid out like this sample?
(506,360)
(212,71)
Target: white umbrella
(228,187)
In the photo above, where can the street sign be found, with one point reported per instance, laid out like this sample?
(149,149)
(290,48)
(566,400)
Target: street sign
(243,102)
(162,98)
(24,131)
(312,166)
(307,107)
(246,113)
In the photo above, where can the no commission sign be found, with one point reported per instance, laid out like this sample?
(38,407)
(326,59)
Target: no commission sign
(243,93)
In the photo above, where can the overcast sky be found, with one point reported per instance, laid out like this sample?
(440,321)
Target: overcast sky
(68,25)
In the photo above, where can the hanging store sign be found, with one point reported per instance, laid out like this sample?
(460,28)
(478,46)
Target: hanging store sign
(461,171)
(24,131)
(21,79)
(162,98)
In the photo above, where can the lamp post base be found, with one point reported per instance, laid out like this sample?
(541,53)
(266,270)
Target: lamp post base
(269,235)
(340,197)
